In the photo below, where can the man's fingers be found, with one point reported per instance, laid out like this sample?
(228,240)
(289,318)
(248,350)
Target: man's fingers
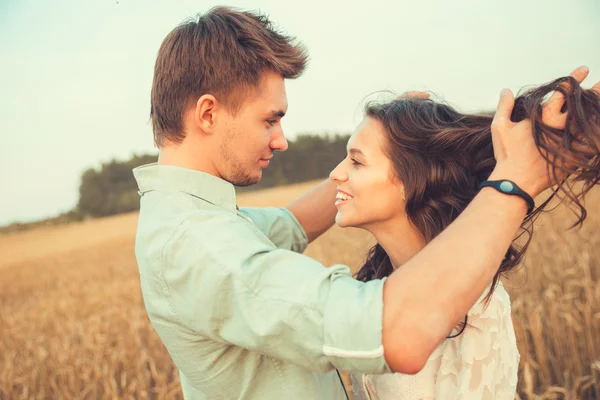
(500,122)
(556,101)
(499,152)
(556,121)
(415,94)
(596,88)
(552,114)
(505,107)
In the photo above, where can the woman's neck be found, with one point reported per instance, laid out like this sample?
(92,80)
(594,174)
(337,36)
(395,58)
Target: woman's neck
(400,240)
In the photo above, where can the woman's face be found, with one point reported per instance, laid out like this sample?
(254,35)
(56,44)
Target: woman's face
(368,192)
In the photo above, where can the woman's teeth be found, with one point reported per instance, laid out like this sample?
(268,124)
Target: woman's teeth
(340,197)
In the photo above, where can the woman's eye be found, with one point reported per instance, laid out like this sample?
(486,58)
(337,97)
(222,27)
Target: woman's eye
(355,161)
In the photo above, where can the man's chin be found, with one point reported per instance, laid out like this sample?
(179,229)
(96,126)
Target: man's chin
(247,180)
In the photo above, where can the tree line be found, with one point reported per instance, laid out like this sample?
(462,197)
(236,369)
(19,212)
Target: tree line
(111,188)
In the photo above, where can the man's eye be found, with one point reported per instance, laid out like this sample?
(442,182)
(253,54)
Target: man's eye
(271,121)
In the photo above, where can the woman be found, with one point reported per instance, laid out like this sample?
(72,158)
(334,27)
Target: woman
(412,167)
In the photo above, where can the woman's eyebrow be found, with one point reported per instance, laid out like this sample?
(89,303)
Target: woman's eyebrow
(356,151)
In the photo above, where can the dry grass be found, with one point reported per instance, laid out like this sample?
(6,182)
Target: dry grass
(73,325)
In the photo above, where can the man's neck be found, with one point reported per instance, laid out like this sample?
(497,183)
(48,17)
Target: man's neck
(183,155)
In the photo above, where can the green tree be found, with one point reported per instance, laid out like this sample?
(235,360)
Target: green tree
(111,189)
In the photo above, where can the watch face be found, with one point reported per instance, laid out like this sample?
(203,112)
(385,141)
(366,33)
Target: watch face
(506,186)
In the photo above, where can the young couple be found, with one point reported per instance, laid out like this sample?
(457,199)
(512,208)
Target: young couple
(245,315)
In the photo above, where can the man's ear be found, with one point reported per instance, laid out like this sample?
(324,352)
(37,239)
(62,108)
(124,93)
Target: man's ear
(205,114)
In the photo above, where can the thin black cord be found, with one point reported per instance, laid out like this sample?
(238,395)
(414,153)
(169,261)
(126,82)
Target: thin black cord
(342,383)
(464,324)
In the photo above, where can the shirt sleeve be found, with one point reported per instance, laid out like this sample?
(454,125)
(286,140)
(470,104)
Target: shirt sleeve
(279,225)
(230,285)
(482,362)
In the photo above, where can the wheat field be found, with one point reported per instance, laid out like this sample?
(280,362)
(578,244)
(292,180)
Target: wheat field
(73,324)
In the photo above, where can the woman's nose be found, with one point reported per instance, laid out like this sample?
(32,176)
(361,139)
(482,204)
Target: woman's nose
(338,173)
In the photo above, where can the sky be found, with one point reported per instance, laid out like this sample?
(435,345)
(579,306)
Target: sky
(75,76)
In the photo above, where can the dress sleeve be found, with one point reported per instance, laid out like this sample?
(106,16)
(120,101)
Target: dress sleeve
(483,361)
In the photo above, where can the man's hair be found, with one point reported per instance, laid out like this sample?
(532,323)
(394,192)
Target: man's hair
(223,52)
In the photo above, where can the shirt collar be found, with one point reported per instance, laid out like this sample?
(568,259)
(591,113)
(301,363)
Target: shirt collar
(199,184)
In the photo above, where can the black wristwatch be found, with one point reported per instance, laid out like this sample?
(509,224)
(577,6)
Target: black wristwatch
(508,187)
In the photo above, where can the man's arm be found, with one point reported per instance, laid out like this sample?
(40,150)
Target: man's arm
(316,209)
(426,297)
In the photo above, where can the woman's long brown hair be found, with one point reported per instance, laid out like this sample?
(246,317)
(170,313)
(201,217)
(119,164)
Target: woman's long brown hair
(442,156)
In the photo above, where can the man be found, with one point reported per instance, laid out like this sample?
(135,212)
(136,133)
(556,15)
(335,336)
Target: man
(242,313)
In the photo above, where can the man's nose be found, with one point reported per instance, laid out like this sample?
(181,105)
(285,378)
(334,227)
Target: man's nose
(279,142)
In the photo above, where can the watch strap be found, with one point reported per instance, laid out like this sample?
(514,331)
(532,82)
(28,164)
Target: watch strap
(509,187)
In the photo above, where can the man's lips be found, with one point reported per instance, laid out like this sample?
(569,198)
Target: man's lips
(265,161)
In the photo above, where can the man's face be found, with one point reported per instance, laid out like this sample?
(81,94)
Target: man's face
(250,138)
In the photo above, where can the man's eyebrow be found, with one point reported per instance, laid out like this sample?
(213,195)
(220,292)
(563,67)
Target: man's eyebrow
(277,113)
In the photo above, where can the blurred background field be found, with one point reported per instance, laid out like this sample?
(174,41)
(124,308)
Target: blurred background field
(73,324)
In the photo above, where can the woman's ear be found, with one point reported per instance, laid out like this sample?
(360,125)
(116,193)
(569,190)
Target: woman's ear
(402,190)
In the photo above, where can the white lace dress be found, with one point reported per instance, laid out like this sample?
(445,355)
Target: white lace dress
(479,364)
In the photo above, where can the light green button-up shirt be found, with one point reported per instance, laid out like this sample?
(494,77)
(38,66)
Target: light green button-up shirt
(241,312)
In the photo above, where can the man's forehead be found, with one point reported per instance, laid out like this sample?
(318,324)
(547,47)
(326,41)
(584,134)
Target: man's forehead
(271,98)
(273,105)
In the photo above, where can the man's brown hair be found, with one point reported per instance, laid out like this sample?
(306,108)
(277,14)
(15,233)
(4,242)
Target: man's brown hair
(223,52)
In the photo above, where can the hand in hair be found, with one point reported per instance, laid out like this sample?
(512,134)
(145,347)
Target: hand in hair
(412,94)
(541,144)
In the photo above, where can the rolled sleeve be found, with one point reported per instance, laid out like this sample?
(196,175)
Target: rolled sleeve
(280,225)
(352,311)
(272,301)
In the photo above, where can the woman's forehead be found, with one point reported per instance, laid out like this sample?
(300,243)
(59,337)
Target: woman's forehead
(368,137)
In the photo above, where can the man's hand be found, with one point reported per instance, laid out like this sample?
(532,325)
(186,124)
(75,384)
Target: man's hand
(551,110)
(517,156)
(415,95)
